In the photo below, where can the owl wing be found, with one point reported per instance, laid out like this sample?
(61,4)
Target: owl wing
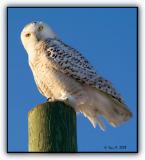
(70,62)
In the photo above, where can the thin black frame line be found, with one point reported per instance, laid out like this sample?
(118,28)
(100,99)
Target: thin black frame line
(7,73)
(137,67)
(19,152)
(70,6)
(137,78)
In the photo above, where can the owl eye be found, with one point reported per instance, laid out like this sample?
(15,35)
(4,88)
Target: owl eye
(28,35)
(40,28)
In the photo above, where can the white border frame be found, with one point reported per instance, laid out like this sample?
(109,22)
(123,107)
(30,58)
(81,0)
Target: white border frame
(113,156)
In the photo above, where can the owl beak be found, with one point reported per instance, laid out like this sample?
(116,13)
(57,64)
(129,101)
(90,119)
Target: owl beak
(38,39)
(34,34)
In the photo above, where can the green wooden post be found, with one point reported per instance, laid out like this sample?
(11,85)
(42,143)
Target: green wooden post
(52,128)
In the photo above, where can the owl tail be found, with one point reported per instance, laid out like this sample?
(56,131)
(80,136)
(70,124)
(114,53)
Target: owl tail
(98,104)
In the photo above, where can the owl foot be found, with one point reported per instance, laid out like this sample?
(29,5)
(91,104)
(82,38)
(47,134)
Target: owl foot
(63,98)
(50,99)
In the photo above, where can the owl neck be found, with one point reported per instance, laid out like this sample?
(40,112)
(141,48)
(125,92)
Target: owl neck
(32,54)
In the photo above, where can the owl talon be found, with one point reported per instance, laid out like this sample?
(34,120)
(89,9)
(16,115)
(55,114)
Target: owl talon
(50,99)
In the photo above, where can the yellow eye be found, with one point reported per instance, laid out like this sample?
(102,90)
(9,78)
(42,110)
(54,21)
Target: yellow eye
(40,28)
(28,35)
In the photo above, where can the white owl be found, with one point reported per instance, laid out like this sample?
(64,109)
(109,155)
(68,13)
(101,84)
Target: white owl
(62,73)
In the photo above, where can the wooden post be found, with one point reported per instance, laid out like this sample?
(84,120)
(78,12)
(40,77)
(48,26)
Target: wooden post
(52,128)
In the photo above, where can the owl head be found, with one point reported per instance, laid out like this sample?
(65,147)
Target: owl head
(34,32)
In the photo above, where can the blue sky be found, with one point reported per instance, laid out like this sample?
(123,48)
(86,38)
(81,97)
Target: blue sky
(107,38)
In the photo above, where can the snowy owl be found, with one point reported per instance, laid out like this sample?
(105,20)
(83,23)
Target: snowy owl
(64,74)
